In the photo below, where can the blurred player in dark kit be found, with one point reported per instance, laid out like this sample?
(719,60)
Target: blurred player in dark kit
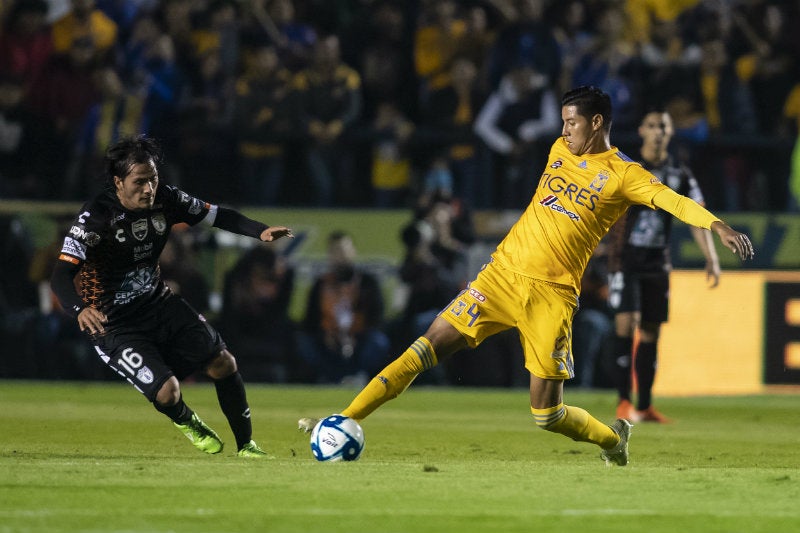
(639,266)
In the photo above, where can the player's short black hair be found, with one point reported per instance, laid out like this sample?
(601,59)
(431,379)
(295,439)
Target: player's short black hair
(654,108)
(590,101)
(122,155)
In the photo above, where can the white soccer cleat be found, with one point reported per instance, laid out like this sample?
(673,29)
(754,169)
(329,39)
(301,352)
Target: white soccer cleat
(618,454)
(306,425)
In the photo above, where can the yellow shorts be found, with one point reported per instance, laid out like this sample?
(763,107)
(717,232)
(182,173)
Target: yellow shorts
(542,312)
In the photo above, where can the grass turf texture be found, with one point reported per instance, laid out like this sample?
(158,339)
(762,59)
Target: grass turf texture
(97,457)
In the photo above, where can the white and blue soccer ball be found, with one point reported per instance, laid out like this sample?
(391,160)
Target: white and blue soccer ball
(337,438)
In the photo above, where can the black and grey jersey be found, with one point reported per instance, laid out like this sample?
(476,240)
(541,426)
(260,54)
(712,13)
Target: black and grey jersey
(640,239)
(117,249)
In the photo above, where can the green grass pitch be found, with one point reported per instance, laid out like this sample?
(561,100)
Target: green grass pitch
(97,458)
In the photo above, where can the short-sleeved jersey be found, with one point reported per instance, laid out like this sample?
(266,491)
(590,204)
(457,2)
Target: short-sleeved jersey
(577,201)
(118,249)
(640,240)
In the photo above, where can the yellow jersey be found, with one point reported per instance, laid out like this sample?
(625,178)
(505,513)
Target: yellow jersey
(578,199)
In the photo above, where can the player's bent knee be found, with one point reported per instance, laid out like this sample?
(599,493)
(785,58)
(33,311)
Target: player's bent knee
(169,393)
(222,366)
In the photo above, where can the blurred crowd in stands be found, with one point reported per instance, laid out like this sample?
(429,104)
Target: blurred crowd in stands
(439,107)
(362,103)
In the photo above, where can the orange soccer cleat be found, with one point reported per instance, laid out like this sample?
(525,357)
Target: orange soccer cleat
(625,410)
(651,415)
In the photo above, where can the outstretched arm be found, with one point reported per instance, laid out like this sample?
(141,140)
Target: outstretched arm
(693,213)
(235,222)
(705,240)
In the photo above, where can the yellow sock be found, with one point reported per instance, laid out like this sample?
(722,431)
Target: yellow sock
(575,423)
(393,379)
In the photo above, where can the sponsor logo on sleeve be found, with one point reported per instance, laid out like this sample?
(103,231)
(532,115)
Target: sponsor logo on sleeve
(73,248)
(89,237)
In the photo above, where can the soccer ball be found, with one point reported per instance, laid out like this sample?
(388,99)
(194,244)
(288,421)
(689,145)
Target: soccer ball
(337,438)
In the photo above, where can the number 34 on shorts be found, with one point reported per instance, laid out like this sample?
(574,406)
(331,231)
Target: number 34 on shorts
(458,307)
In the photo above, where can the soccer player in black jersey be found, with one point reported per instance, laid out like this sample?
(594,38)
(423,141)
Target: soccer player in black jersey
(639,266)
(108,278)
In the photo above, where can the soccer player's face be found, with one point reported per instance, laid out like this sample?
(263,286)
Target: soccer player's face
(577,131)
(656,130)
(137,190)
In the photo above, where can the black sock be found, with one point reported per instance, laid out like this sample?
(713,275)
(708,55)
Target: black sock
(178,413)
(622,366)
(233,401)
(645,373)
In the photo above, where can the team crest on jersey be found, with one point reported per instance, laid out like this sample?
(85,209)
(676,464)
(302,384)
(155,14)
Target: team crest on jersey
(145,375)
(599,181)
(582,164)
(159,223)
(139,229)
(557,163)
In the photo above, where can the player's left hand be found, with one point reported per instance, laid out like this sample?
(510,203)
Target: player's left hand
(274,233)
(734,241)
(712,273)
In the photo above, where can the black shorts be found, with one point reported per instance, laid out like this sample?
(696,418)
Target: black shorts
(647,293)
(167,339)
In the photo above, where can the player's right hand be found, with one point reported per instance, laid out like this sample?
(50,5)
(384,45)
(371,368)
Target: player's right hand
(736,242)
(92,320)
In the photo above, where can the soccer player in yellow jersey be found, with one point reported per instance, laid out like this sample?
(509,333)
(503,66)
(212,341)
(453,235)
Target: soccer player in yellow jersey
(533,279)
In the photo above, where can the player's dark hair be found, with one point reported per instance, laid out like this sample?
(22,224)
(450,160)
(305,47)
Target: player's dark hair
(122,155)
(654,108)
(590,101)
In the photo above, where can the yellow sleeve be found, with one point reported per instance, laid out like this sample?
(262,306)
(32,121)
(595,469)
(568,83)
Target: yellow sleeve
(684,208)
